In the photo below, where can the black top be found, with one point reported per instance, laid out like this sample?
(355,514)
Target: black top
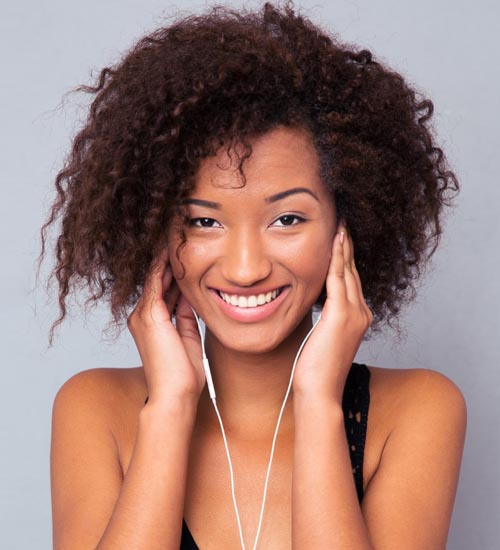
(355,403)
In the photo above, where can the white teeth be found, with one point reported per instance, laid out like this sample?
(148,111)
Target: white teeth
(249,301)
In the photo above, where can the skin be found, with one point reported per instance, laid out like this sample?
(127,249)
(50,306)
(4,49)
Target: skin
(152,465)
(245,245)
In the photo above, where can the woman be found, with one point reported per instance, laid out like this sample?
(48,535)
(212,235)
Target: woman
(232,168)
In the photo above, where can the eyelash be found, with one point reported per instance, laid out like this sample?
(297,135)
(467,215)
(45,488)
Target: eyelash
(298,218)
(193,221)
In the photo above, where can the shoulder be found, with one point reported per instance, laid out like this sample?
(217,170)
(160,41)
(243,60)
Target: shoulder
(401,396)
(102,394)
(411,387)
(101,385)
(424,416)
(91,412)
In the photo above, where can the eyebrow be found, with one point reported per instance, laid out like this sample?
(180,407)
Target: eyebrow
(288,192)
(271,199)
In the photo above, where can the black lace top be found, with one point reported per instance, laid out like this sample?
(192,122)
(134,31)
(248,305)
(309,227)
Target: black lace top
(355,403)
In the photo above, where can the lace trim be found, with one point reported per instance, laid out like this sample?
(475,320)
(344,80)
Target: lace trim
(355,404)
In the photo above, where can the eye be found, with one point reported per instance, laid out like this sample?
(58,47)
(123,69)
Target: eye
(203,222)
(289,220)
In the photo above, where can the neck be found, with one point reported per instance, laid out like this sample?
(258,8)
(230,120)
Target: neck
(250,388)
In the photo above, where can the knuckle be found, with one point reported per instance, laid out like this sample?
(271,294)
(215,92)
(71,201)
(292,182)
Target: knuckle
(361,321)
(131,321)
(369,317)
(139,316)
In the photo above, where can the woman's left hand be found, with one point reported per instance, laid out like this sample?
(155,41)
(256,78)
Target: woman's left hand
(327,356)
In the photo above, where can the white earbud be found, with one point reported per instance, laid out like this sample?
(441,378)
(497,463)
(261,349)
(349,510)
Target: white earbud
(206,366)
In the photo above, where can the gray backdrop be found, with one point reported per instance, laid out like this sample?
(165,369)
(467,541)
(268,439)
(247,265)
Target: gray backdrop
(448,47)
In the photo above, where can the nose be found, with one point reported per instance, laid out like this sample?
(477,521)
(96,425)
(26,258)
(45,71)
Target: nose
(245,260)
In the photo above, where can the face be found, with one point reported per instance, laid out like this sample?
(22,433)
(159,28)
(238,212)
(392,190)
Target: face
(263,247)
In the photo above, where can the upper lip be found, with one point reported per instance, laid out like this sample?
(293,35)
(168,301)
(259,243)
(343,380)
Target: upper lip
(247,291)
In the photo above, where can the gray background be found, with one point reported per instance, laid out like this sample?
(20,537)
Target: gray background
(449,48)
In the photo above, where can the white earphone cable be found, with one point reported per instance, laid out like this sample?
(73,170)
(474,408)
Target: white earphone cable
(211,390)
(276,431)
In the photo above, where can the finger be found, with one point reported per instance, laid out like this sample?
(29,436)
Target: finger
(335,280)
(354,270)
(354,292)
(167,279)
(350,283)
(357,278)
(350,250)
(185,320)
(153,285)
(171,296)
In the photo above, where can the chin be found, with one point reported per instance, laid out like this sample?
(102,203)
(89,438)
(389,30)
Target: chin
(254,340)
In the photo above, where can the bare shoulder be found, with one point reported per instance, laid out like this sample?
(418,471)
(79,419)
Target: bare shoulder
(103,389)
(407,388)
(91,411)
(112,397)
(421,415)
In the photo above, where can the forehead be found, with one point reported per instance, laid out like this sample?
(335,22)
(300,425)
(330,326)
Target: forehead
(280,159)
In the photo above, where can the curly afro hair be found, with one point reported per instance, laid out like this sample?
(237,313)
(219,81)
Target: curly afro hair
(223,77)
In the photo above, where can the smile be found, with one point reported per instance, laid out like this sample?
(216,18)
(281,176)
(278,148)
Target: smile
(250,301)
(251,308)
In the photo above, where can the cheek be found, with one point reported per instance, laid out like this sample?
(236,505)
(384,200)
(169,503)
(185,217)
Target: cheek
(189,261)
(319,261)
(311,261)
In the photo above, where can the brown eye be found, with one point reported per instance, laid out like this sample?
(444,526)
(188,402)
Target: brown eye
(289,220)
(202,222)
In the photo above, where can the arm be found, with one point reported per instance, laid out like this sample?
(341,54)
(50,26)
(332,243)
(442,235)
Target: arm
(149,510)
(93,506)
(409,501)
(325,508)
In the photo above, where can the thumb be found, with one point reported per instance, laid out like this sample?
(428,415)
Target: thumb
(186,323)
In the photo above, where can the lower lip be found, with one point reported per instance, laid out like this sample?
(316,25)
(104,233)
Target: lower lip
(250,314)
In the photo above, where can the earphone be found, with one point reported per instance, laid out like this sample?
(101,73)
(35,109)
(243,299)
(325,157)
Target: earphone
(211,391)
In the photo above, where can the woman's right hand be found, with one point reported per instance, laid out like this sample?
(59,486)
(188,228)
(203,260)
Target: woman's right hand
(171,355)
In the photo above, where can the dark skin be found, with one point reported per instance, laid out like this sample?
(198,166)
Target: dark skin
(169,458)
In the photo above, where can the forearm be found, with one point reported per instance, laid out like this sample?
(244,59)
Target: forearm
(148,513)
(325,507)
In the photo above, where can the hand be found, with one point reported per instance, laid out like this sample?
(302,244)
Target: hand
(327,356)
(171,355)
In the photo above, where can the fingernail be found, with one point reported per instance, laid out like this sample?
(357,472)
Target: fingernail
(341,237)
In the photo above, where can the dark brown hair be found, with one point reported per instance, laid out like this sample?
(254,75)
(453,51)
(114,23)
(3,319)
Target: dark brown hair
(221,78)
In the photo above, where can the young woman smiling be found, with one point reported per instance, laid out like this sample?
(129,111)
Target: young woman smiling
(233,167)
